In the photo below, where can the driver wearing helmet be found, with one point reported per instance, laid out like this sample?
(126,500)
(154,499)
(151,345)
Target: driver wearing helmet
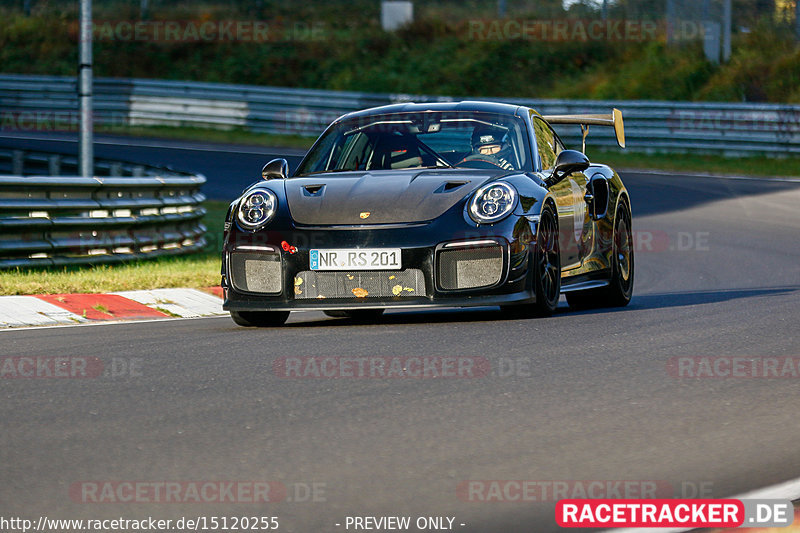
(489,145)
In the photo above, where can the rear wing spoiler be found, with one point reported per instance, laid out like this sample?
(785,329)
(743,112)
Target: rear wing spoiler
(613,119)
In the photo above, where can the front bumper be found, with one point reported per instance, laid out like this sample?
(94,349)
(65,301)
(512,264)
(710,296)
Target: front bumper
(422,246)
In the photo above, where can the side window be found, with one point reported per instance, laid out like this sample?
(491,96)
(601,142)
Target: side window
(559,146)
(547,142)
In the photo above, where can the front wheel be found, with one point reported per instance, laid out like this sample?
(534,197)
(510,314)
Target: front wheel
(547,280)
(546,270)
(259,319)
(619,291)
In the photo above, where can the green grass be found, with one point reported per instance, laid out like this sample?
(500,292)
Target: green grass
(191,271)
(198,270)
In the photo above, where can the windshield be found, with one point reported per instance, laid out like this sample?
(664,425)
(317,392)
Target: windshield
(453,139)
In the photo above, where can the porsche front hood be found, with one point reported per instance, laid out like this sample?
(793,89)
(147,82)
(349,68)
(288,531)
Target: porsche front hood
(381,197)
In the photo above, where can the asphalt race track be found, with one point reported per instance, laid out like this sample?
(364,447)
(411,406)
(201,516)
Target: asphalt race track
(579,397)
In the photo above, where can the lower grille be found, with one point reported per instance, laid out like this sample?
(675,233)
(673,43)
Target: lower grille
(312,284)
(256,272)
(470,268)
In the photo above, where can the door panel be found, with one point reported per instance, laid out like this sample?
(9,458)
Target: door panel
(574,222)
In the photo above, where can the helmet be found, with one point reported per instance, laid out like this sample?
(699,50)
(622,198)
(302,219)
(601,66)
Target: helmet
(486,135)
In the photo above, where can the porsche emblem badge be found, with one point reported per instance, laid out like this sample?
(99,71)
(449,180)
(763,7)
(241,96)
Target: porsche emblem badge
(364,214)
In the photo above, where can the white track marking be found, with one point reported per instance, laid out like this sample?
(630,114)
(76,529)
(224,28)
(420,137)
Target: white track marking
(109,323)
(186,303)
(21,311)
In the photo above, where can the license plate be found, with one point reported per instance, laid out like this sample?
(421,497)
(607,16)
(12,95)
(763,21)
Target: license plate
(356,259)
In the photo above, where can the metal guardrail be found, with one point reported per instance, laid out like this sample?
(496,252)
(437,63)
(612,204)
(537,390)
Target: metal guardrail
(46,102)
(135,212)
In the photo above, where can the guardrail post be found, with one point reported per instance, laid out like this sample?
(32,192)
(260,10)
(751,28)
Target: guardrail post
(17,162)
(137,171)
(86,148)
(726,29)
(115,169)
(54,165)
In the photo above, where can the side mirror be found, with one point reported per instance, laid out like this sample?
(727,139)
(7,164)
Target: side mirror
(567,162)
(275,169)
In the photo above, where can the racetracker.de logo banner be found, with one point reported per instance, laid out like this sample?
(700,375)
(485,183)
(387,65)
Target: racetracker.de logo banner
(682,513)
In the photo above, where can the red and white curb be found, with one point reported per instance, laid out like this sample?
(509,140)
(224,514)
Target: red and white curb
(59,309)
(184,303)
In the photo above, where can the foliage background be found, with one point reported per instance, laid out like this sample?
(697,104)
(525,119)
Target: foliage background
(434,55)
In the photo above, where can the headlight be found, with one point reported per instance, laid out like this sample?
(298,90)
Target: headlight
(492,203)
(257,208)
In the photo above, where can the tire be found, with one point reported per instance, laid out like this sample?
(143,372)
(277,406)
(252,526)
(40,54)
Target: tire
(619,291)
(358,315)
(259,319)
(547,271)
(546,278)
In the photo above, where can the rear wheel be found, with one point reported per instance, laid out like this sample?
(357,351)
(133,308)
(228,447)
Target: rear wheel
(620,288)
(357,315)
(259,319)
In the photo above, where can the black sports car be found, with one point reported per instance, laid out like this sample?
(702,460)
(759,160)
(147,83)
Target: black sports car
(431,205)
